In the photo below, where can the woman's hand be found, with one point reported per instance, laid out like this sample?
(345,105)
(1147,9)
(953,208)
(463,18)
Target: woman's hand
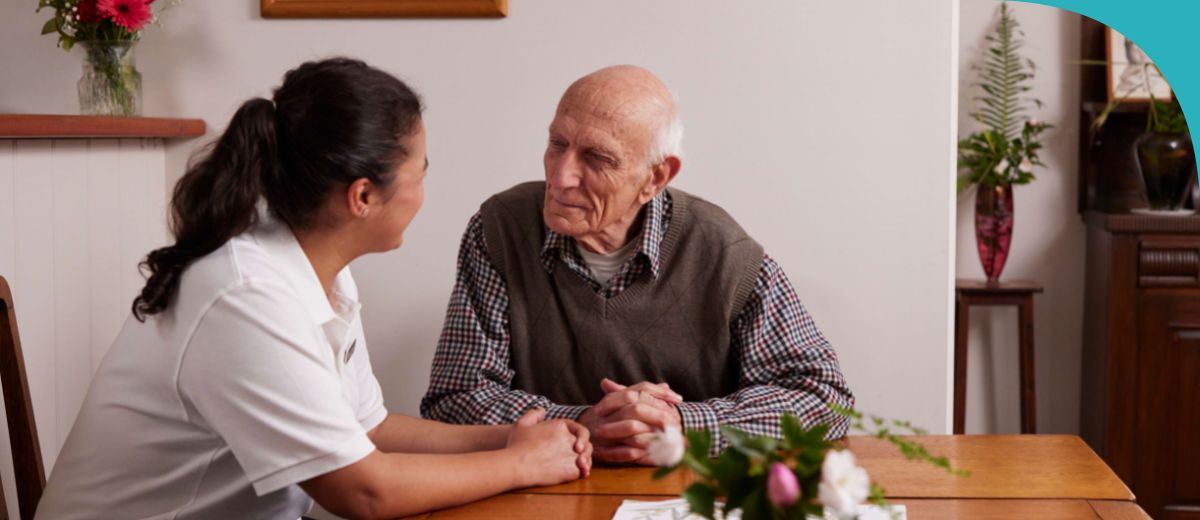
(549,452)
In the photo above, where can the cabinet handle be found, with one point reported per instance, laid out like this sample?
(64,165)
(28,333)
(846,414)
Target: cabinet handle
(1189,334)
(1185,331)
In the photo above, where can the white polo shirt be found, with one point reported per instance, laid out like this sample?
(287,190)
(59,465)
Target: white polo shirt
(250,382)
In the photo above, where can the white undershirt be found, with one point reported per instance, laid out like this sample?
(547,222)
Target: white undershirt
(605,266)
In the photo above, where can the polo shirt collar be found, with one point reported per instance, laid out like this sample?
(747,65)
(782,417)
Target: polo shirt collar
(278,241)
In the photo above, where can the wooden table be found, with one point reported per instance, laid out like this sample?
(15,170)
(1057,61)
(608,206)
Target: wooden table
(1013,476)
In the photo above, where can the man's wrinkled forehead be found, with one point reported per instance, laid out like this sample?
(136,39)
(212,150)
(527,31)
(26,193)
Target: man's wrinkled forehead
(604,114)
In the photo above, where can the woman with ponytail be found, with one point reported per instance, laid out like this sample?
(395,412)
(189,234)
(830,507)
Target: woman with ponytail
(241,385)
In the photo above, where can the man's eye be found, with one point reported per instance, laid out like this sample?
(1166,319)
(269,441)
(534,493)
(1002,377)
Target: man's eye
(597,159)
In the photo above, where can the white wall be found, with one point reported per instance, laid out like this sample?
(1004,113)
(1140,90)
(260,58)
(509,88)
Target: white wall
(825,127)
(76,215)
(1048,236)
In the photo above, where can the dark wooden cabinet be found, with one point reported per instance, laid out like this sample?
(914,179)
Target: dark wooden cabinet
(1141,356)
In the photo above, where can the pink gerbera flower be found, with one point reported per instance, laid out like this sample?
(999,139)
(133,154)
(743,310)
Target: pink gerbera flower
(130,14)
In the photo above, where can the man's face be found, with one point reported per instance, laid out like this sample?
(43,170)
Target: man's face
(596,163)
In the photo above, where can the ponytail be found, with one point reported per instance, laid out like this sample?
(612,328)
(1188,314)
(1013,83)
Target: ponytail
(213,202)
(332,122)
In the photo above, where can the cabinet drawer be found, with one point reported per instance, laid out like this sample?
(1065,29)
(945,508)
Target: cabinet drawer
(1169,261)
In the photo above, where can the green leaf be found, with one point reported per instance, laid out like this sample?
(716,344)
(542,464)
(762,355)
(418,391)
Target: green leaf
(793,432)
(731,468)
(753,446)
(51,25)
(664,471)
(756,504)
(700,498)
(699,443)
(735,482)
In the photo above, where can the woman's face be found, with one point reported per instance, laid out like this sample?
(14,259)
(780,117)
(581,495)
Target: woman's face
(407,192)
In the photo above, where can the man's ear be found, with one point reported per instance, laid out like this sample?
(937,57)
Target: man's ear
(661,174)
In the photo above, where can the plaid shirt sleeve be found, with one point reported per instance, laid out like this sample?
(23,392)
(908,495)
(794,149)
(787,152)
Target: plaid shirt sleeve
(471,380)
(786,366)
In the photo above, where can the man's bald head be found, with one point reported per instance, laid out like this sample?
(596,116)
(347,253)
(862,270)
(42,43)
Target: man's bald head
(634,98)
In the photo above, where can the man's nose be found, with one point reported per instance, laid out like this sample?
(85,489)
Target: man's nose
(564,172)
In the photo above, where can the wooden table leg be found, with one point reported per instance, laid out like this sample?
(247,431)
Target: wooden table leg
(962,313)
(1028,375)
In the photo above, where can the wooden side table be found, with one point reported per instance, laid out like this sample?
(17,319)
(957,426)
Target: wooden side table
(970,293)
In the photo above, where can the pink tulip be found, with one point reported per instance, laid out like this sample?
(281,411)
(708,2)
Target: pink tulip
(782,487)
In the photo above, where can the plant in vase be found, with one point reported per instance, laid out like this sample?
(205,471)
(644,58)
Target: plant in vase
(1005,151)
(106,30)
(1166,158)
(1164,151)
(800,476)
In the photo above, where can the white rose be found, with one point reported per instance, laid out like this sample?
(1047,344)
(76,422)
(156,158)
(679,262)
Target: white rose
(844,486)
(1035,122)
(667,447)
(1001,167)
(1026,165)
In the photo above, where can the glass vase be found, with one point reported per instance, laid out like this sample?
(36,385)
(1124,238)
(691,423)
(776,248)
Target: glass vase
(111,84)
(993,227)
(1167,162)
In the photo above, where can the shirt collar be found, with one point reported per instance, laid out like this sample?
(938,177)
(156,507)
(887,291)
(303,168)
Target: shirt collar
(278,241)
(655,219)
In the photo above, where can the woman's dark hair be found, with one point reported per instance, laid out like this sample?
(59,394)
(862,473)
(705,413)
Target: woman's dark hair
(332,122)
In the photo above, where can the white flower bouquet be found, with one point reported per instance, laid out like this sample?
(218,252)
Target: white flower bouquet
(800,476)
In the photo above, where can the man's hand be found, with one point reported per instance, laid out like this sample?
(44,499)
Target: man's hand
(624,421)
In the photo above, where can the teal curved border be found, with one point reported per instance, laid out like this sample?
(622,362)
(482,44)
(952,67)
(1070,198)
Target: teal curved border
(1168,30)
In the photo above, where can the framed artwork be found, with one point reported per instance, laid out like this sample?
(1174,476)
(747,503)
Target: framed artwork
(1132,76)
(384,8)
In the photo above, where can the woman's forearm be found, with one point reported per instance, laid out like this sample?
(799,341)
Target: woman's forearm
(390,485)
(404,434)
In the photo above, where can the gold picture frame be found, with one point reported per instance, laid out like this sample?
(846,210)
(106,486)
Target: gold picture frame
(384,8)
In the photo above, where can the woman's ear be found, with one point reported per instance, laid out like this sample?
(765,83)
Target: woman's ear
(359,197)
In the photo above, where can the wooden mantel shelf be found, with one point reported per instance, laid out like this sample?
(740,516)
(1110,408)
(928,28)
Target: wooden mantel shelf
(40,126)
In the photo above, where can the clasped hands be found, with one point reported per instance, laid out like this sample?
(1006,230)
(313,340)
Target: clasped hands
(625,420)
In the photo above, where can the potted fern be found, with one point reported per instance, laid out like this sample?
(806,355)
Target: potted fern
(1005,151)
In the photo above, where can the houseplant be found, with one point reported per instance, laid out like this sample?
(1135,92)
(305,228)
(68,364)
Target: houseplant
(1164,152)
(107,31)
(1005,151)
(797,477)
(1166,159)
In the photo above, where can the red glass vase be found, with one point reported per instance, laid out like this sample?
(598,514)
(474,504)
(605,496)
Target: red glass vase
(993,227)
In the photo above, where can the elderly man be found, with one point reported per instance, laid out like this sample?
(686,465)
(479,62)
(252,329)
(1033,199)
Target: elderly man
(601,276)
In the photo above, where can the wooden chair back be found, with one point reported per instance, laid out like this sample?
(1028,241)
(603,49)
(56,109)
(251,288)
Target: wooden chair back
(22,431)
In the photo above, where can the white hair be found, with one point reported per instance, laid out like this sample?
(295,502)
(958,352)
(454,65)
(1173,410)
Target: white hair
(668,137)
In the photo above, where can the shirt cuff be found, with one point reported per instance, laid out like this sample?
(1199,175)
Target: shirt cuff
(560,411)
(353,450)
(700,416)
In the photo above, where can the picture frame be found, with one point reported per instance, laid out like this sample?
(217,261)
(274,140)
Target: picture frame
(384,8)
(1132,76)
